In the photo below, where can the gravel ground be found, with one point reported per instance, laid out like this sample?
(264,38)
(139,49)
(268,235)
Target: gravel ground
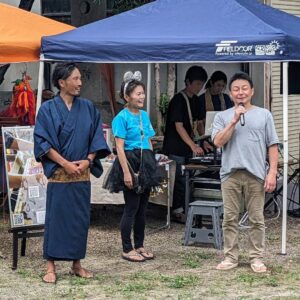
(177,272)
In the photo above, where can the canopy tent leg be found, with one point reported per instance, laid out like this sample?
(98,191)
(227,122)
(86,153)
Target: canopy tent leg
(285,157)
(40,87)
(148,87)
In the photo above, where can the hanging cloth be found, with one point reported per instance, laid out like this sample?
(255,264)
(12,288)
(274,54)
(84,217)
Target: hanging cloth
(209,104)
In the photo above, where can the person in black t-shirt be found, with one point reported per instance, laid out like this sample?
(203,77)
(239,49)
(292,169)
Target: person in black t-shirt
(178,140)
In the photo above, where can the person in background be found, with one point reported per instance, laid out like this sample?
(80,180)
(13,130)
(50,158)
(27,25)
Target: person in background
(68,136)
(214,98)
(133,131)
(47,94)
(245,170)
(181,122)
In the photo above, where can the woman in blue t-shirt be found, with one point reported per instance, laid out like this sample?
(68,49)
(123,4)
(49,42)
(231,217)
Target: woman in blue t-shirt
(132,130)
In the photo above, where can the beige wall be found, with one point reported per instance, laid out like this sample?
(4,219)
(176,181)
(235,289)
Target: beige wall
(292,7)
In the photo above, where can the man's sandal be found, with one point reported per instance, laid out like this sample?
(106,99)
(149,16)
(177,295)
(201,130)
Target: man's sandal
(146,254)
(81,272)
(226,264)
(133,256)
(50,279)
(258,266)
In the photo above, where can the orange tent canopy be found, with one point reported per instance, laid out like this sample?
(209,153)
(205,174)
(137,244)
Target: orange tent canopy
(21,32)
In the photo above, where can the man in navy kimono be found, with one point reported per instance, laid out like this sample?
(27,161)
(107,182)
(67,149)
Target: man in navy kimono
(68,136)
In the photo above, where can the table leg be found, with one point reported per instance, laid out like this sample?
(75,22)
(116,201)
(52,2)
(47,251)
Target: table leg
(168,225)
(15,250)
(187,192)
(23,245)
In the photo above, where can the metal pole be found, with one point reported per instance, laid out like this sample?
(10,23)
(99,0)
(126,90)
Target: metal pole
(149,87)
(40,87)
(285,156)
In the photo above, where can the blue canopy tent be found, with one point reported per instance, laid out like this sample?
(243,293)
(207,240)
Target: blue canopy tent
(183,31)
(188,31)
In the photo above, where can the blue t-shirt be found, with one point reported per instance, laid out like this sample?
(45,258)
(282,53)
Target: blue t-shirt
(127,125)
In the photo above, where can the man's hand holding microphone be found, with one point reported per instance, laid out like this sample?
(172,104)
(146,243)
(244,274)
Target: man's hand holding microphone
(239,114)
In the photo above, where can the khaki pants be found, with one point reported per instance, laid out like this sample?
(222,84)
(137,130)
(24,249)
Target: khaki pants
(241,183)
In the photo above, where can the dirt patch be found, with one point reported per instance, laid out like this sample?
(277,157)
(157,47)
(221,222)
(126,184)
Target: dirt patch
(177,272)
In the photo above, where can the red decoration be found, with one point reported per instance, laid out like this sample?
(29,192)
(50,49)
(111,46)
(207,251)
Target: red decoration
(23,102)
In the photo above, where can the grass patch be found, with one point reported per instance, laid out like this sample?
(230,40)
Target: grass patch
(140,282)
(203,255)
(136,287)
(27,273)
(194,260)
(246,278)
(286,298)
(185,296)
(191,261)
(256,280)
(293,276)
(99,278)
(75,280)
(75,293)
(273,237)
(179,281)
(295,239)
(144,276)
(248,298)
(135,283)
(276,269)
(271,281)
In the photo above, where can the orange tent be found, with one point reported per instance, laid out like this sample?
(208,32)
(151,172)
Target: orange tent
(21,32)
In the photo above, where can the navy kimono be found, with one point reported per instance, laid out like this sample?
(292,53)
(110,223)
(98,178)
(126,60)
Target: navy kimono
(73,134)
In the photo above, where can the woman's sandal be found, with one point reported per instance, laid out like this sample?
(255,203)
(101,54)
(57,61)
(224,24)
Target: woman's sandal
(258,266)
(53,280)
(133,256)
(146,254)
(81,272)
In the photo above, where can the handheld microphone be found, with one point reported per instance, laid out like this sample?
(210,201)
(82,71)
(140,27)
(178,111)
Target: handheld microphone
(242,117)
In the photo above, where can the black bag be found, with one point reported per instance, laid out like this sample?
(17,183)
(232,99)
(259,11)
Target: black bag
(136,182)
(106,178)
(97,168)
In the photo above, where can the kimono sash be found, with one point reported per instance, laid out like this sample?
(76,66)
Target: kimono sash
(61,176)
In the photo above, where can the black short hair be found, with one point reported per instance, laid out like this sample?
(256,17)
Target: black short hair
(130,87)
(195,73)
(216,76)
(242,76)
(62,71)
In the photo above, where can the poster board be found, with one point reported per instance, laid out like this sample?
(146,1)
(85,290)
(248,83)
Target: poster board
(26,182)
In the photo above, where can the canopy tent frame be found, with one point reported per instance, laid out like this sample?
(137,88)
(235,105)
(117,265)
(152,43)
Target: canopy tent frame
(254,32)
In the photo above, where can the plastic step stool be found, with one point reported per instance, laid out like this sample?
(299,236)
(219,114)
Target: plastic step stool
(209,234)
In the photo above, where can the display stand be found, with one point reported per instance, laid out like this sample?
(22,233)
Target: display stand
(23,233)
(26,187)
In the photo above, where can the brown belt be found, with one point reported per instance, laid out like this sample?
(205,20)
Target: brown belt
(60,175)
